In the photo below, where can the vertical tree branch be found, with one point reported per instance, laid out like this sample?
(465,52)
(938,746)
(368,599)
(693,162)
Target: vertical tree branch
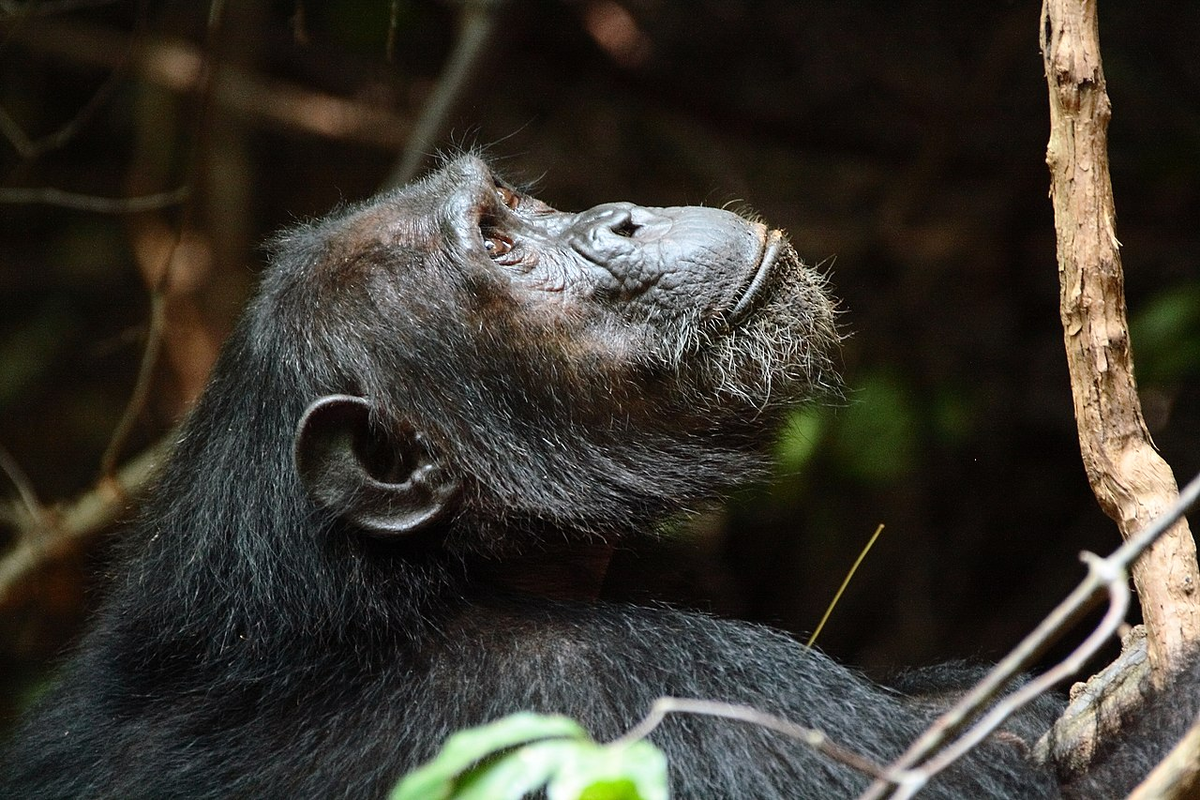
(1131,481)
(477,23)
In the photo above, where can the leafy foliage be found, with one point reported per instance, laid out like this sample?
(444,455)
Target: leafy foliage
(521,753)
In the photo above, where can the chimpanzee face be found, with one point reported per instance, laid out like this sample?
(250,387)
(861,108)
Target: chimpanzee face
(547,357)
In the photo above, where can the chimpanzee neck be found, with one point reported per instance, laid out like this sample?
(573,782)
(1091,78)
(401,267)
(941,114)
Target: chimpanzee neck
(568,573)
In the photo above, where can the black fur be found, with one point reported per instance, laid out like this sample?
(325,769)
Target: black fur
(491,415)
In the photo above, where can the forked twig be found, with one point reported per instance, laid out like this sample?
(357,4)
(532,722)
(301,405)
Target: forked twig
(1109,574)
(712,708)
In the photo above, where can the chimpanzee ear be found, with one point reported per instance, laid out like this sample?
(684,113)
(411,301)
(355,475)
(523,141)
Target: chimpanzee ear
(386,482)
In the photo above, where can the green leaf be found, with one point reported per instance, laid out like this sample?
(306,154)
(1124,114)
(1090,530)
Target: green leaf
(1166,336)
(435,780)
(637,771)
(515,774)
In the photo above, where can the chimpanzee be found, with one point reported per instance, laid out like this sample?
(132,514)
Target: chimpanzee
(388,516)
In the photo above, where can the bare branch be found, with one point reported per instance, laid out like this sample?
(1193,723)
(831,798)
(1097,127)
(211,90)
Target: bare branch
(1107,573)
(100,205)
(1099,709)
(141,389)
(1101,571)
(159,284)
(176,65)
(79,520)
(478,20)
(1132,483)
(16,135)
(923,760)
(24,487)
(10,11)
(27,147)
(711,708)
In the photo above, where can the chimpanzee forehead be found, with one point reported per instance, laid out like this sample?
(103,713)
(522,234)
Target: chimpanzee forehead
(389,229)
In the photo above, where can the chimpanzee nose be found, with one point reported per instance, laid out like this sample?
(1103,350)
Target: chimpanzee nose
(624,220)
(621,238)
(663,255)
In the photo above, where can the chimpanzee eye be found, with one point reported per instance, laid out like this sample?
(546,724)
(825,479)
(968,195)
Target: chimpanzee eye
(496,244)
(508,197)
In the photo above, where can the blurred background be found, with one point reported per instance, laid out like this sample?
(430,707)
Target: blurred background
(148,148)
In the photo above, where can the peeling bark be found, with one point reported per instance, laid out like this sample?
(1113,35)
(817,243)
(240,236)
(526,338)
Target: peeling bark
(1132,483)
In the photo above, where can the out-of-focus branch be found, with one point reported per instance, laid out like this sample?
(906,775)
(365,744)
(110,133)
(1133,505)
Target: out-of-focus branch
(478,20)
(25,491)
(11,129)
(74,522)
(11,10)
(99,205)
(160,282)
(1131,481)
(177,65)
(141,390)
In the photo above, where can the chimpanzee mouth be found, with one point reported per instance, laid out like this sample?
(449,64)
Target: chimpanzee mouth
(757,279)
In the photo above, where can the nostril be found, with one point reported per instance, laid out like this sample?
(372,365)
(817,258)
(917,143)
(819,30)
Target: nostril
(625,227)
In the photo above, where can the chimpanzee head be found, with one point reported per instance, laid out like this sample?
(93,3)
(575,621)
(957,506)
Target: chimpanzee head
(477,358)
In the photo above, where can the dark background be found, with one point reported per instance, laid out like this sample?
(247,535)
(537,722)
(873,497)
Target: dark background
(901,143)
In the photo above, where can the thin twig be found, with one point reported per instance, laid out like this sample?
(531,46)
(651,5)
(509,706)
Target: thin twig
(80,519)
(837,596)
(24,487)
(141,389)
(1117,582)
(15,134)
(478,20)
(1107,573)
(711,708)
(101,205)
(161,285)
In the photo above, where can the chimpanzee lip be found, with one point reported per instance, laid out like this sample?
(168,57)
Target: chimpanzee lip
(772,247)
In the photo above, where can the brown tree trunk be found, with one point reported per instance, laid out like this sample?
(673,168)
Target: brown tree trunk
(1131,481)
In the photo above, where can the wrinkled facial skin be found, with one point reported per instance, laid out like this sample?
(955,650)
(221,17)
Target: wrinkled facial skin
(650,259)
(586,371)
(696,289)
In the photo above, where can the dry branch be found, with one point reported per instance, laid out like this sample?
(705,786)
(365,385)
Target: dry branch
(930,754)
(97,205)
(175,64)
(77,521)
(477,22)
(1131,481)
(1099,709)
